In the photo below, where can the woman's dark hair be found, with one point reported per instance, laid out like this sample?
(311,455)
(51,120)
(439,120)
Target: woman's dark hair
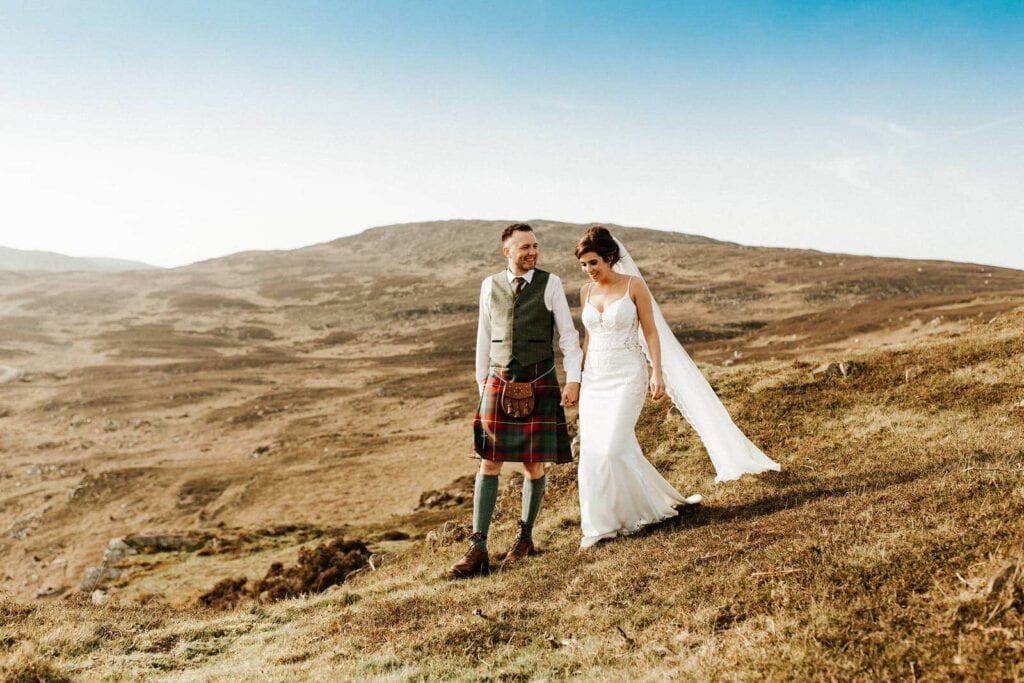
(601,242)
(514,228)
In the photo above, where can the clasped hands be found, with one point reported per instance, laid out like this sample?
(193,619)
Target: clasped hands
(571,393)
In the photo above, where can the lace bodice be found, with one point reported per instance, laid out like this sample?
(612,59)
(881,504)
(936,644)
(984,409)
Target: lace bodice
(616,328)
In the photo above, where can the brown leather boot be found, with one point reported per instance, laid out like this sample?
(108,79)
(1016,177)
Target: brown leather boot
(475,562)
(521,548)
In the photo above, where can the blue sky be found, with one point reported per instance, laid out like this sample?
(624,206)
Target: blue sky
(171,132)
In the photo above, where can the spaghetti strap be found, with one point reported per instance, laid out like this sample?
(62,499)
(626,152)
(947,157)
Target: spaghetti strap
(590,285)
(630,282)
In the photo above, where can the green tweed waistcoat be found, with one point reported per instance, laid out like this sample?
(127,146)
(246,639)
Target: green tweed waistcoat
(521,328)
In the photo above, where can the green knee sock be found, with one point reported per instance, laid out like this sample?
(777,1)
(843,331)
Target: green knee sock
(485,494)
(533,494)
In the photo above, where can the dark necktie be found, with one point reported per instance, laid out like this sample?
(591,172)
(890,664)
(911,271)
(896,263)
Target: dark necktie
(520,282)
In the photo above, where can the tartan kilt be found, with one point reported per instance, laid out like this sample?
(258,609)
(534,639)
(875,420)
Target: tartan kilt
(541,437)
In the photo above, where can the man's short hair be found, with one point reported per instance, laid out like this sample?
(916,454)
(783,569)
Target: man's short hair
(515,227)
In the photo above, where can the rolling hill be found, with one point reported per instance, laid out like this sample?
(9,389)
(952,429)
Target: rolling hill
(52,262)
(263,403)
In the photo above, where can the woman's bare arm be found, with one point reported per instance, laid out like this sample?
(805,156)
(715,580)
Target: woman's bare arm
(645,312)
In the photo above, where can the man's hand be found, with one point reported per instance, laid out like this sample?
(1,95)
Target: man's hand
(571,394)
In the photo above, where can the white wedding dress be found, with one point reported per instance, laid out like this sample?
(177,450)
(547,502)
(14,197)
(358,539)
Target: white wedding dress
(620,492)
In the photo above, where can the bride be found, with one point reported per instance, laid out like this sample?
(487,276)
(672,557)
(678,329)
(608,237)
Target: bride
(620,492)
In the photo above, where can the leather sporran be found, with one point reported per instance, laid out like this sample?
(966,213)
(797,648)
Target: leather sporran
(517,399)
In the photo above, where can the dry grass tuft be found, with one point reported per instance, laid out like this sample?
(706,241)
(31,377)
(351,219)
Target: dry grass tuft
(26,666)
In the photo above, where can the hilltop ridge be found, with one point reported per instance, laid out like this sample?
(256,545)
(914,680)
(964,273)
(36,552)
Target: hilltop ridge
(52,262)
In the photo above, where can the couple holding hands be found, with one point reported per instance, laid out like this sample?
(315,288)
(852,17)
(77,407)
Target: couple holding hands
(521,415)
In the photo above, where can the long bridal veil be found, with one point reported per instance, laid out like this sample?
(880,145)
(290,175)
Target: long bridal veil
(731,452)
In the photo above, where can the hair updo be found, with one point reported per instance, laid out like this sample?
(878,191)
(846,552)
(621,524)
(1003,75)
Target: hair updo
(599,241)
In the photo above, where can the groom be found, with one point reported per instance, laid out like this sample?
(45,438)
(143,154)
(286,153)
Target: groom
(520,309)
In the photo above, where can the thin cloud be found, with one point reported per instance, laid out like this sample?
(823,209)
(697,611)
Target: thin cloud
(886,128)
(988,125)
(852,170)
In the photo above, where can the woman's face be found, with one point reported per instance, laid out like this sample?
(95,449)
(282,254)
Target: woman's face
(594,267)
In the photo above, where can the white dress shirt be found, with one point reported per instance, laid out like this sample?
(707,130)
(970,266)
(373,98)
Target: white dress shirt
(554,300)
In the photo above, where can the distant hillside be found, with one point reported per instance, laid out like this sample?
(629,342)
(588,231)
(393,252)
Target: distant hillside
(48,261)
(726,301)
(333,384)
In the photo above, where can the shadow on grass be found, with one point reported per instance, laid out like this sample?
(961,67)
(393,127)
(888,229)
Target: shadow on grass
(795,497)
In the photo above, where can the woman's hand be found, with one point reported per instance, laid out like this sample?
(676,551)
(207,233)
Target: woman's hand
(657,386)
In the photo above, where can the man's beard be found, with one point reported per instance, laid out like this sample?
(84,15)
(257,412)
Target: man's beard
(524,264)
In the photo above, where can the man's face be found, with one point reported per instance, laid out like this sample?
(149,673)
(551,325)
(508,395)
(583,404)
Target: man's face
(521,251)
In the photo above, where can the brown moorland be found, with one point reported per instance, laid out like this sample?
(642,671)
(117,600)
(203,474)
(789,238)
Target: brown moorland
(268,404)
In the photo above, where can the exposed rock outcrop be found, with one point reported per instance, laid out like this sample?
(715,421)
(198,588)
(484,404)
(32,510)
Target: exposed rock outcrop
(448,533)
(430,500)
(455,494)
(844,368)
(120,549)
(912,373)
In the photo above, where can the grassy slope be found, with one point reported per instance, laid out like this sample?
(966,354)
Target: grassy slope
(866,558)
(148,396)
